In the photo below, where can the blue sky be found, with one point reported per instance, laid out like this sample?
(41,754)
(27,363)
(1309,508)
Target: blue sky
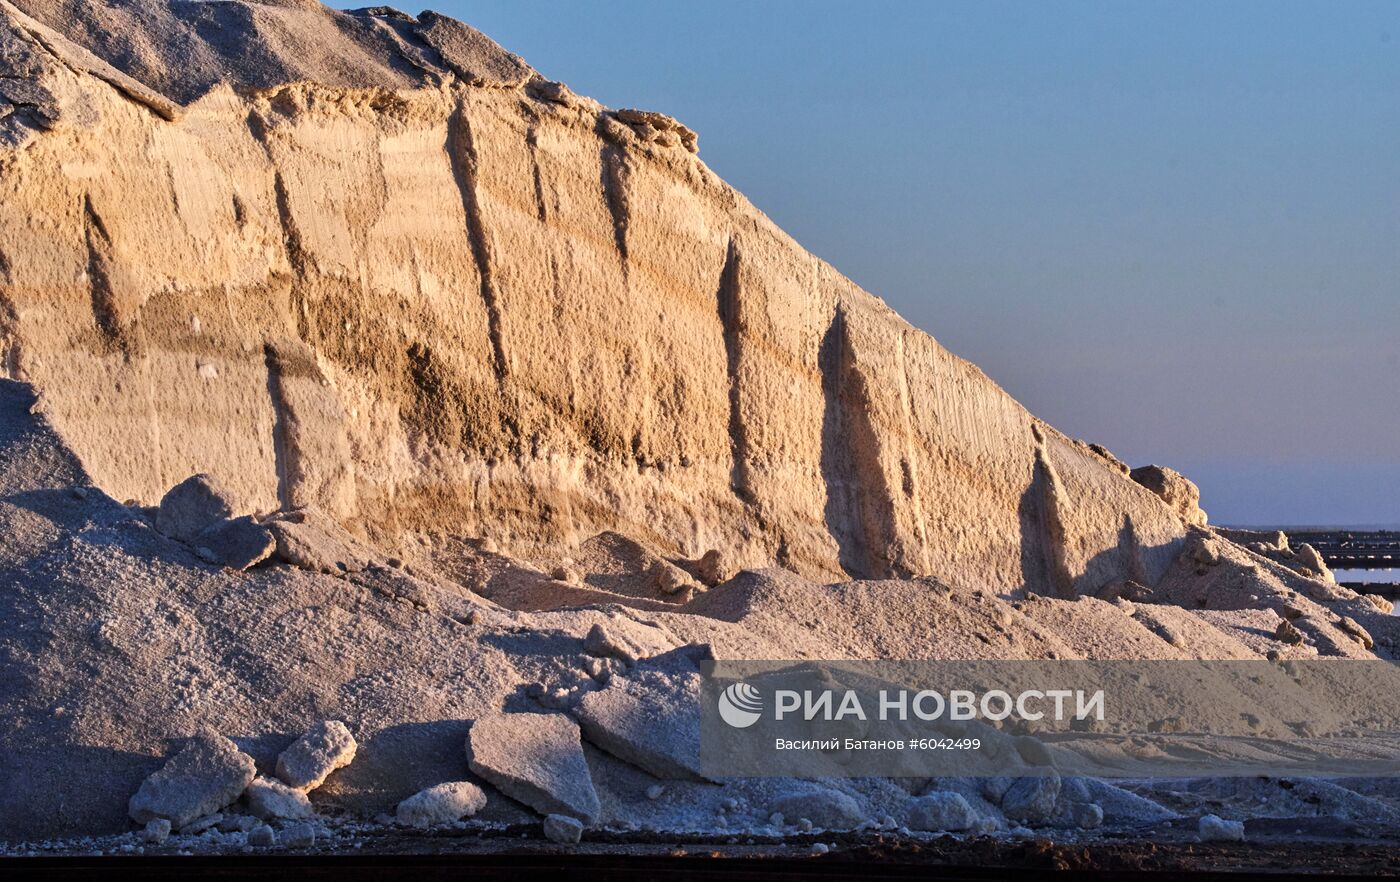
(1170,228)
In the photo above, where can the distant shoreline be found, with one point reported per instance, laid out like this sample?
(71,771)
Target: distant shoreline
(1311,528)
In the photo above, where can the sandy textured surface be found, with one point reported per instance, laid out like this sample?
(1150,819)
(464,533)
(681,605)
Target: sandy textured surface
(504,400)
(346,274)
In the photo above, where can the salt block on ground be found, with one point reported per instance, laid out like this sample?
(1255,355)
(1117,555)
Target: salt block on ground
(940,811)
(191,506)
(270,798)
(1031,799)
(823,806)
(208,774)
(563,829)
(649,719)
(237,544)
(536,759)
(325,747)
(313,541)
(441,804)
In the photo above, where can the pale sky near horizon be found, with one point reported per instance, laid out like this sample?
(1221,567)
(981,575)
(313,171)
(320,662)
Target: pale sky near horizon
(1170,228)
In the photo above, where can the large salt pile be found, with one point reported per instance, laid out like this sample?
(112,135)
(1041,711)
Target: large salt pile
(388,432)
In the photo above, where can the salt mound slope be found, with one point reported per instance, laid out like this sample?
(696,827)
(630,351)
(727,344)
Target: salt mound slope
(376,265)
(120,644)
(183,50)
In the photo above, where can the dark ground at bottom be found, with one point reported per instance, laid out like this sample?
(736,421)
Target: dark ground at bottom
(853,856)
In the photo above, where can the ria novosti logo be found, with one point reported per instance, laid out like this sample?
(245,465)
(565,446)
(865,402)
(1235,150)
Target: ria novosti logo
(740,705)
